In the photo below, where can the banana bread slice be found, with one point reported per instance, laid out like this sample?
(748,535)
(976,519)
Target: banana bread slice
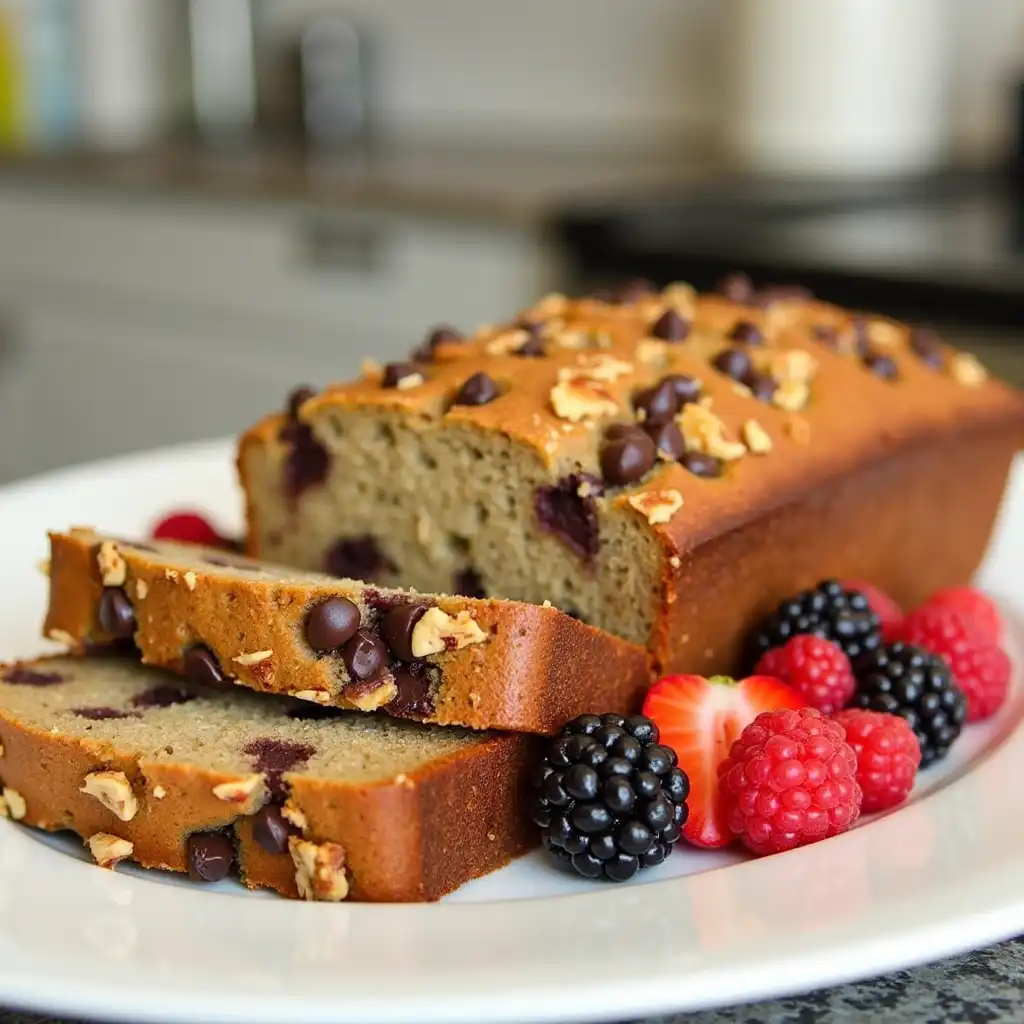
(217,617)
(170,775)
(670,465)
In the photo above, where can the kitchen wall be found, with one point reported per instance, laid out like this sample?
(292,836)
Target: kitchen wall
(590,72)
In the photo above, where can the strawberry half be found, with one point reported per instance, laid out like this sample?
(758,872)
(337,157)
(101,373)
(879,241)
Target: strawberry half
(700,719)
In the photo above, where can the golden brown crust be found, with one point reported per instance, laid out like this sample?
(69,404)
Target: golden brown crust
(535,668)
(854,426)
(413,838)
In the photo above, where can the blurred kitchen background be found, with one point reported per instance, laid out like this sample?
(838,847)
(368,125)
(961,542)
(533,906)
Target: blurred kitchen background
(205,203)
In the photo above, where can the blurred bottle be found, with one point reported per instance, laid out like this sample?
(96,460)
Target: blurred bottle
(48,33)
(838,87)
(125,85)
(223,67)
(12,83)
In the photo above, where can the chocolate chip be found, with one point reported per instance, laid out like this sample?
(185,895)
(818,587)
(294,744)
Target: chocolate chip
(297,399)
(927,346)
(270,829)
(116,615)
(687,389)
(357,558)
(396,628)
(667,438)
(736,288)
(101,714)
(201,666)
(626,455)
(827,334)
(274,757)
(365,656)
(702,465)
(762,386)
(746,333)
(19,676)
(659,402)
(443,335)
(532,347)
(394,372)
(413,699)
(670,326)
(480,389)
(210,856)
(467,583)
(331,623)
(881,366)
(307,461)
(572,517)
(632,291)
(162,695)
(381,602)
(733,362)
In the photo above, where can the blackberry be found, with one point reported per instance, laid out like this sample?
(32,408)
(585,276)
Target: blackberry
(908,681)
(610,800)
(829,611)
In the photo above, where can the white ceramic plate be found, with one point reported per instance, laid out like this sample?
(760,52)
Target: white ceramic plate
(526,944)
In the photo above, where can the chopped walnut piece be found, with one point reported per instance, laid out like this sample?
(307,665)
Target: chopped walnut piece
(791,395)
(319,869)
(604,368)
(141,589)
(253,658)
(370,367)
(967,370)
(657,506)
(43,565)
(506,342)
(681,297)
(409,381)
(113,567)
(114,791)
(371,700)
(171,574)
(742,390)
(314,696)
(12,804)
(704,432)
(62,636)
(581,399)
(552,304)
(249,790)
(793,364)
(108,850)
(159,792)
(294,816)
(756,438)
(652,352)
(438,631)
(885,334)
(190,579)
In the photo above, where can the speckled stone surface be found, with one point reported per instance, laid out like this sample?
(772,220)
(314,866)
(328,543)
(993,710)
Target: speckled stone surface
(986,987)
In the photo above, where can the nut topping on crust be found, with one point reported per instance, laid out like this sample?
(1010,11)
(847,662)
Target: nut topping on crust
(438,631)
(253,658)
(657,506)
(792,395)
(241,791)
(141,589)
(371,700)
(704,432)
(12,804)
(793,364)
(579,399)
(319,870)
(604,368)
(190,579)
(108,850)
(114,791)
(113,568)
(967,370)
(756,438)
(294,816)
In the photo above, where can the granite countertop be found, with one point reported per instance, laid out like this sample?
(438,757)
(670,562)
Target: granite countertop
(516,188)
(985,987)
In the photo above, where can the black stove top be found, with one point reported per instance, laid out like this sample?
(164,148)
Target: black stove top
(951,246)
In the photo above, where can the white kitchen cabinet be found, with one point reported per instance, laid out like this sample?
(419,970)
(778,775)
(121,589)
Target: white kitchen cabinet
(126,324)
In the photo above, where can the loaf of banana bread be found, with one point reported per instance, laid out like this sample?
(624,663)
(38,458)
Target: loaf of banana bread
(219,618)
(308,801)
(667,465)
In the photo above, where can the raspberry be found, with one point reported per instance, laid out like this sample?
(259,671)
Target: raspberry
(816,669)
(789,780)
(979,611)
(888,611)
(187,528)
(888,756)
(980,668)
